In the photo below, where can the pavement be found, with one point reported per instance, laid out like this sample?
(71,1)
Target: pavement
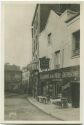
(64,114)
(17,107)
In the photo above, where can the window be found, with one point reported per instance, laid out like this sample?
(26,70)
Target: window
(76,43)
(33,54)
(36,20)
(36,54)
(34,45)
(36,42)
(49,38)
(57,59)
(32,32)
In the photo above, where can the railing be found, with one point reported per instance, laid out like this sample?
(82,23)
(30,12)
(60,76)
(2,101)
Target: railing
(75,52)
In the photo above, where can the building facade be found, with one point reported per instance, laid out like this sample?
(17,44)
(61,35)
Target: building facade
(13,78)
(40,19)
(59,41)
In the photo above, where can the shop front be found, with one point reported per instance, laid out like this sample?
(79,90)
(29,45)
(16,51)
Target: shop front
(71,85)
(50,84)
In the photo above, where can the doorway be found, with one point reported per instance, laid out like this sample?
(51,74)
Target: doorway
(75,90)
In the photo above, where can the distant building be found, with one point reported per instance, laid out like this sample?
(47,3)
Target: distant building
(12,78)
(25,78)
(33,79)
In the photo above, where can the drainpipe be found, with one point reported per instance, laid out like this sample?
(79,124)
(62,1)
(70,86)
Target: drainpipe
(62,64)
(62,58)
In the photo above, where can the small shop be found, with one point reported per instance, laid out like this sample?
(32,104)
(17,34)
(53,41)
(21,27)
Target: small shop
(71,85)
(50,83)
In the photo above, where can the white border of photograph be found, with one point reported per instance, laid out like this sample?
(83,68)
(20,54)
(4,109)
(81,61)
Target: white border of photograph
(81,67)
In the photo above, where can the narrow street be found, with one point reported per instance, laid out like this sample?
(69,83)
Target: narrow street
(18,108)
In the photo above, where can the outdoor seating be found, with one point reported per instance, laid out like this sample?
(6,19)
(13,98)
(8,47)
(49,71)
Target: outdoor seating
(60,102)
(42,99)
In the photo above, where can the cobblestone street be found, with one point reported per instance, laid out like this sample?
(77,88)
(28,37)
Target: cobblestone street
(18,108)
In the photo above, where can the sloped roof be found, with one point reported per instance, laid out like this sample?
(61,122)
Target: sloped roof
(57,8)
(71,15)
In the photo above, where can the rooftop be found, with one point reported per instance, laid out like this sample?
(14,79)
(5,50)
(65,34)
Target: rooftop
(59,9)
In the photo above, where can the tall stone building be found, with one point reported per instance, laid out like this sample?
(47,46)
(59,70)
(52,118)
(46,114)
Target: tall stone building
(59,41)
(39,21)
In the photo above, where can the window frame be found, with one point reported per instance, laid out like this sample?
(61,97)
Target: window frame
(75,50)
(49,38)
(57,63)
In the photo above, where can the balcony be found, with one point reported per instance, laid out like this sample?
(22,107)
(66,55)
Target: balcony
(75,52)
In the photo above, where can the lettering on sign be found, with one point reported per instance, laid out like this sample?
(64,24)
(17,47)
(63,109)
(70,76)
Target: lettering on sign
(55,75)
(51,75)
(59,75)
(66,86)
(70,74)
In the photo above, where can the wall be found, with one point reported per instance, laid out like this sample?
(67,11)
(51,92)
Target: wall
(72,26)
(61,39)
(36,29)
(13,80)
(53,26)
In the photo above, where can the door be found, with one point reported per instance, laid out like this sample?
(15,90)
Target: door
(75,90)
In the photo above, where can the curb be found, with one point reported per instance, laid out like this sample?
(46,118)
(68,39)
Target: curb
(45,111)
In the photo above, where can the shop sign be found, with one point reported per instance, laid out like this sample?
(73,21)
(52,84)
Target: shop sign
(58,80)
(66,86)
(44,76)
(55,75)
(70,74)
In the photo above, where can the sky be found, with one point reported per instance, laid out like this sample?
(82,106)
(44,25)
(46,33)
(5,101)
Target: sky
(17,32)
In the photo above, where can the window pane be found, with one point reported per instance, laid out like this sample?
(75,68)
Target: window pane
(76,43)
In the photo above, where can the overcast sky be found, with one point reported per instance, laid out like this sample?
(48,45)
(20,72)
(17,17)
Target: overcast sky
(18,41)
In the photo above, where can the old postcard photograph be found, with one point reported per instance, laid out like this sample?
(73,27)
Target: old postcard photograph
(41,61)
